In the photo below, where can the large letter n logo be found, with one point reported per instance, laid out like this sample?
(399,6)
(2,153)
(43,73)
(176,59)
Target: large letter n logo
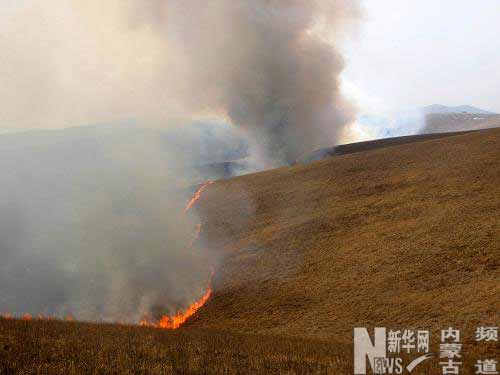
(364,347)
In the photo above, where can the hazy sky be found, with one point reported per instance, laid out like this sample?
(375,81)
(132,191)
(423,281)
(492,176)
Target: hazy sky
(412,53)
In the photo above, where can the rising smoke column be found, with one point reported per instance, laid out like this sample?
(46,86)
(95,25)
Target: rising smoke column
(90,225)
(261,63)
(265,65)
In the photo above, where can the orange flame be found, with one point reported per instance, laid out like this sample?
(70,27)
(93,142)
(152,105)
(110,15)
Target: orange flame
(174,322)
(27,317)
(197,195)
(166,322)
(180,318)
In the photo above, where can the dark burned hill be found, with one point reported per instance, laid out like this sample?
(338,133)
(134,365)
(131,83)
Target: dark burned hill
(403,236)
(352,148)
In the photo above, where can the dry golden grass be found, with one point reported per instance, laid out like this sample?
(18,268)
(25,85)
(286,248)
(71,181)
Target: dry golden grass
(51,347)
(402,237)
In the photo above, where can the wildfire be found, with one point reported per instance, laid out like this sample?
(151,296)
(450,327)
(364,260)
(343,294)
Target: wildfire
(166,322)
(27,317)
(175,321)
(197,195)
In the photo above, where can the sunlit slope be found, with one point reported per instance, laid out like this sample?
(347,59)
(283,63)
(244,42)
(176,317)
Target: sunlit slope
(403,236)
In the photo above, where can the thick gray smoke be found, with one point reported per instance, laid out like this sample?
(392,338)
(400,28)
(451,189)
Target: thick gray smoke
(93,225)
(262,64)
(269,66)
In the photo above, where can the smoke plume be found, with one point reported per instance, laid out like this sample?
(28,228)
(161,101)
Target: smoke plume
(269,66)
(92,223)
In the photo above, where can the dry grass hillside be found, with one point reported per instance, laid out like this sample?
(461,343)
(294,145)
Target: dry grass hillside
(403,236)
(51,347)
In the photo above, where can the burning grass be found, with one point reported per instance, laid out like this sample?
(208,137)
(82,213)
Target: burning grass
(166,321)
(177,320)
(403,237)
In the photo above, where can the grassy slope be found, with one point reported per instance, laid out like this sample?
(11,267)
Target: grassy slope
(76,348)
(402,236)
(405,236)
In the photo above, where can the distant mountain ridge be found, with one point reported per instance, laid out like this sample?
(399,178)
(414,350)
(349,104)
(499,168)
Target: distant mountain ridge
(423,120)
(442,109)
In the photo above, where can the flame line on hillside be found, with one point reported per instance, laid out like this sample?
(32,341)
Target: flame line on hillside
(175,321)
(197,196)
(166,322)
(28,317)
